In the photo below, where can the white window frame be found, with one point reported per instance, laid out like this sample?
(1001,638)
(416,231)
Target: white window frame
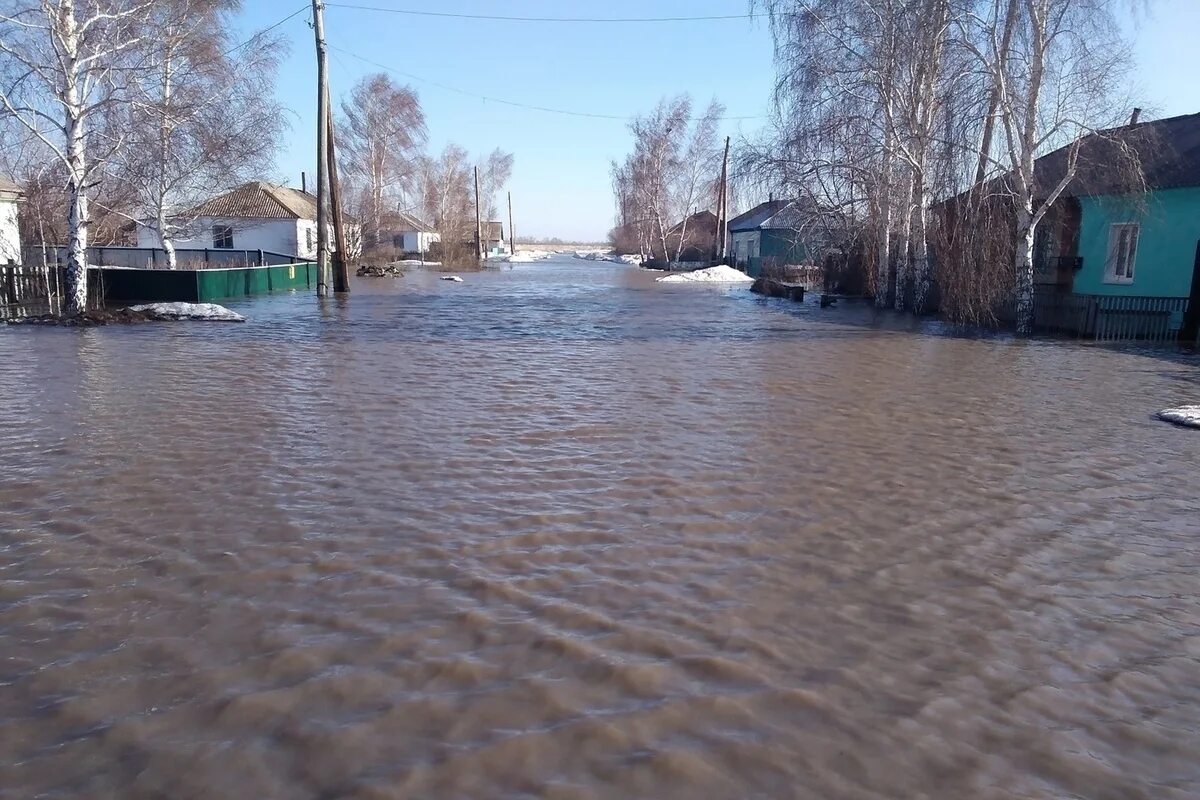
(226,231)
(1118,270)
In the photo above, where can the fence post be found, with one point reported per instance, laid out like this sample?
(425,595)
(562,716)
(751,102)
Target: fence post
(206,256)
(262,262)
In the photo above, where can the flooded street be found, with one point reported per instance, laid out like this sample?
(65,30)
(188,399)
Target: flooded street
(561,532)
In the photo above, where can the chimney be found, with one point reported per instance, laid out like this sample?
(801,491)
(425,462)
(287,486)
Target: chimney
(304,182)
(1133,120)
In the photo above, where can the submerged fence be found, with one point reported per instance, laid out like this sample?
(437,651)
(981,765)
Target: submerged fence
(1110,318)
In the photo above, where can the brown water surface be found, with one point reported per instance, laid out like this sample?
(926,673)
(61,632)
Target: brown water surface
(561,532)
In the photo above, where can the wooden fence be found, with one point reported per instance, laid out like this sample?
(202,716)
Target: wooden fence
(29,284)
(1110,318)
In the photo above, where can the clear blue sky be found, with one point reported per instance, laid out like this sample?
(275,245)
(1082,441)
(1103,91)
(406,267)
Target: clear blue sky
(560,179)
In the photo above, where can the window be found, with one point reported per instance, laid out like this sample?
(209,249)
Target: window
(223,237)
(308,237)
(1122,252)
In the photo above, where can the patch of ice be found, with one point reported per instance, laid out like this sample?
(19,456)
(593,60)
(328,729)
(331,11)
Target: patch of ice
(454,278)
(200,311)
(608,255)
(718,274)
(1187,416)
(523,257)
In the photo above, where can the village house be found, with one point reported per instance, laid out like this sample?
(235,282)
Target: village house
(411,235)
(254,216)
(1104,238)
(690,240)
(1118,253)
(776,232)
(494,243)
(10,234)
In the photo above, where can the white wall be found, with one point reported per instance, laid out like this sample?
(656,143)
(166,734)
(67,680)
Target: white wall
(418,241)
(10,238)
(274,235)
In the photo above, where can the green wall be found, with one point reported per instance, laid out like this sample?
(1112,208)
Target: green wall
(782,245)
(123,286)
(1166,251)
(214,284)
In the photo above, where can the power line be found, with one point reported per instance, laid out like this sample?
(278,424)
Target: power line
(500,101)
(267,29)
(502,18)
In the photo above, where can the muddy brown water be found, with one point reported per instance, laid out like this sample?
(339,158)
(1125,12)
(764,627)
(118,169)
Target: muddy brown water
(560,532)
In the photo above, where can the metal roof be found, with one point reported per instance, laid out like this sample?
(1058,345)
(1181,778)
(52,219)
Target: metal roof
(8,189)
(259,200)
(1168,151)
(757,217)
(408,222)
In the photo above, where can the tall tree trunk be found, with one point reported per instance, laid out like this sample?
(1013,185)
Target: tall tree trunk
(921,247)
(164,154)
(164,236)
(77,219)
(883,277)
(1023,263)
(902,257)
(994,97)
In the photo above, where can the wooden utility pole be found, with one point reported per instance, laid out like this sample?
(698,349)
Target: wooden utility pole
(512,232)
(341,268)
(480,251)
(322,148)
(723,206)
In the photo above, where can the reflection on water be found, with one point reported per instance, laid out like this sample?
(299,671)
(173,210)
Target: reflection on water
(559,532)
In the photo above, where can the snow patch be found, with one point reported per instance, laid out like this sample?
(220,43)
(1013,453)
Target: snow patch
(718,274)
(523,257)
(201,311)
(608,255)
(1187,416)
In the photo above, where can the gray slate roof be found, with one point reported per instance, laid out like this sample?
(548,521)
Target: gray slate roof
(259,200)
(408,222)
(8,189)
(1168,150)
(758,216)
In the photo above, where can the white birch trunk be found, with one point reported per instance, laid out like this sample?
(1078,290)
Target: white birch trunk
(77,217)
(1023,263)
(902,262)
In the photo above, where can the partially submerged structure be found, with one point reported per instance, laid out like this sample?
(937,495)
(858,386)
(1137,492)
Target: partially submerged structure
(1118,254)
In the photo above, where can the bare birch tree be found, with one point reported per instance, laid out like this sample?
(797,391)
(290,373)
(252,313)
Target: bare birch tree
(202,118)
(63,71)
(380,136)
(670,174)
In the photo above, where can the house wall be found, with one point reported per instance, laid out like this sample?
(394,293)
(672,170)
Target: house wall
(10,237)
(275,235)
(744,245)
(782,245)
(1169,222)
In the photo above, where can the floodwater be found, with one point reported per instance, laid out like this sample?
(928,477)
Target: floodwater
(560,532)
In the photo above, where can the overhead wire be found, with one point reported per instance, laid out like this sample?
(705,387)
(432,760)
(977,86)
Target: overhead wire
(502,101)
(267,29)
(505,18)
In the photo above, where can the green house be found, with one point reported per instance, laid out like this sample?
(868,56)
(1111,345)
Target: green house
(1120,247)
(773,233)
